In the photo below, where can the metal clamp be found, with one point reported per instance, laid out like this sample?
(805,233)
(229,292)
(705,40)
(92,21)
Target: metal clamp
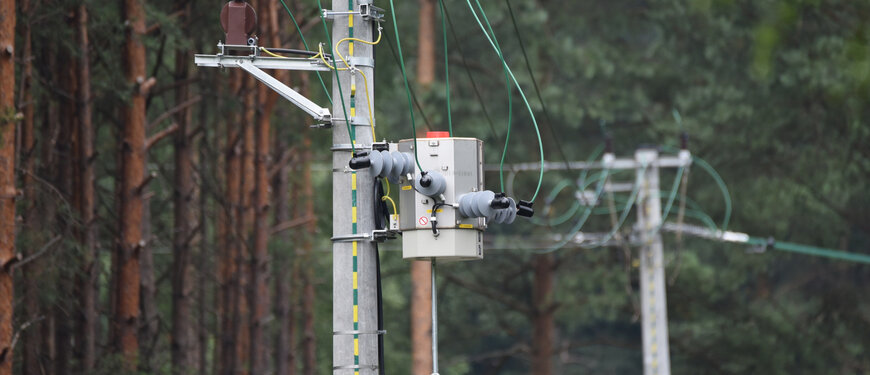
(367,11)
(361,61)
(371,12)
(378,332)
(352,237)
(381,235)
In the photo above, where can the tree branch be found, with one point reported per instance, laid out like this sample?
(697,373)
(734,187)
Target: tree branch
(5,352)
(278,228)
(151,141)
(173,111)
(48,245)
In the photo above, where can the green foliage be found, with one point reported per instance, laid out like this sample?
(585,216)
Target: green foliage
(774,94)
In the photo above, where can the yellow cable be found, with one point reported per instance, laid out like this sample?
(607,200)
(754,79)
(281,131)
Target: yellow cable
(272,54)
(388,187)
(371,108)
(365,78)
(338,52)
(392,202)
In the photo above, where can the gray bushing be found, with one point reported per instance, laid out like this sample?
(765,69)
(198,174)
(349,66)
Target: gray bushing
(436,188)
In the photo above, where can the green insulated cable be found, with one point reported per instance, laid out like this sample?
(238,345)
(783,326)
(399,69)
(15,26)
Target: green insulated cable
(625,211)
(510,111)
(407,85)
(724,188)
(579,225)
(726,195)
(446,68)
(812,250)
(510,97)
(350,132)
(305,43)
(519,88)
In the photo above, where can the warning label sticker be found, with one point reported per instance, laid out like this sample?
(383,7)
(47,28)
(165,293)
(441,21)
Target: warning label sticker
(423,220)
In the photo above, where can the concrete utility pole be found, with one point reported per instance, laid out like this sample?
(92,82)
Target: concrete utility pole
(354,290)
(653,301)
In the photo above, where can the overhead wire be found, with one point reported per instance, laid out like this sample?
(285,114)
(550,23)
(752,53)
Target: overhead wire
(468,73)
(407,84)
(548,122)
(519,88)
(446,69)
(413,93)
(354,70)
(631,200)
(351,134)
(305,43)
(602,182)
(723,188)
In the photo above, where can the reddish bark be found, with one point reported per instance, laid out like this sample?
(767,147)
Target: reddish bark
(259,294)
(426,44)
(542,343)
(421,317)
(130,198)
(421,272)
(228,232)
(7,180)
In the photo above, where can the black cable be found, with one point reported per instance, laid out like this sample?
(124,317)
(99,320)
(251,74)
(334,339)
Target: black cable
(292,51)
(411,88)
(548,122)
(382,213)
(381,332)
(434,219)
(470,76)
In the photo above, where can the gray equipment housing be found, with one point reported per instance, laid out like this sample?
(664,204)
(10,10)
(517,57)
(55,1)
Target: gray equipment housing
(460,162)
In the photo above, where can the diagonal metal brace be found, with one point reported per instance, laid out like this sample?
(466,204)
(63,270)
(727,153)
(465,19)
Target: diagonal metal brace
(319,113)
(250,65)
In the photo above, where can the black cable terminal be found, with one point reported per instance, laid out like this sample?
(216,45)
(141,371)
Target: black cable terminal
(684,141)
(608,144)
(525,209)
(360,160)
(771,243)
(425,179)
(500,201)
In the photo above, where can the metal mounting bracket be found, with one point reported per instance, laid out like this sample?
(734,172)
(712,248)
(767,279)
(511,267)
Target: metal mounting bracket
(319,113)
(368,12)
(254,65)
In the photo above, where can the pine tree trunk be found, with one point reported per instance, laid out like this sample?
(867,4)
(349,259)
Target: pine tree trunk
(426,44)
(229,234)
(542,355)
(7,180)
(241,326)
(260,302)
(86,281)
(421,271)
(132,168)
(182,344)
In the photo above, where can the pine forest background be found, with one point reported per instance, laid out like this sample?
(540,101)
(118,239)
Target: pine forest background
(174,220)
